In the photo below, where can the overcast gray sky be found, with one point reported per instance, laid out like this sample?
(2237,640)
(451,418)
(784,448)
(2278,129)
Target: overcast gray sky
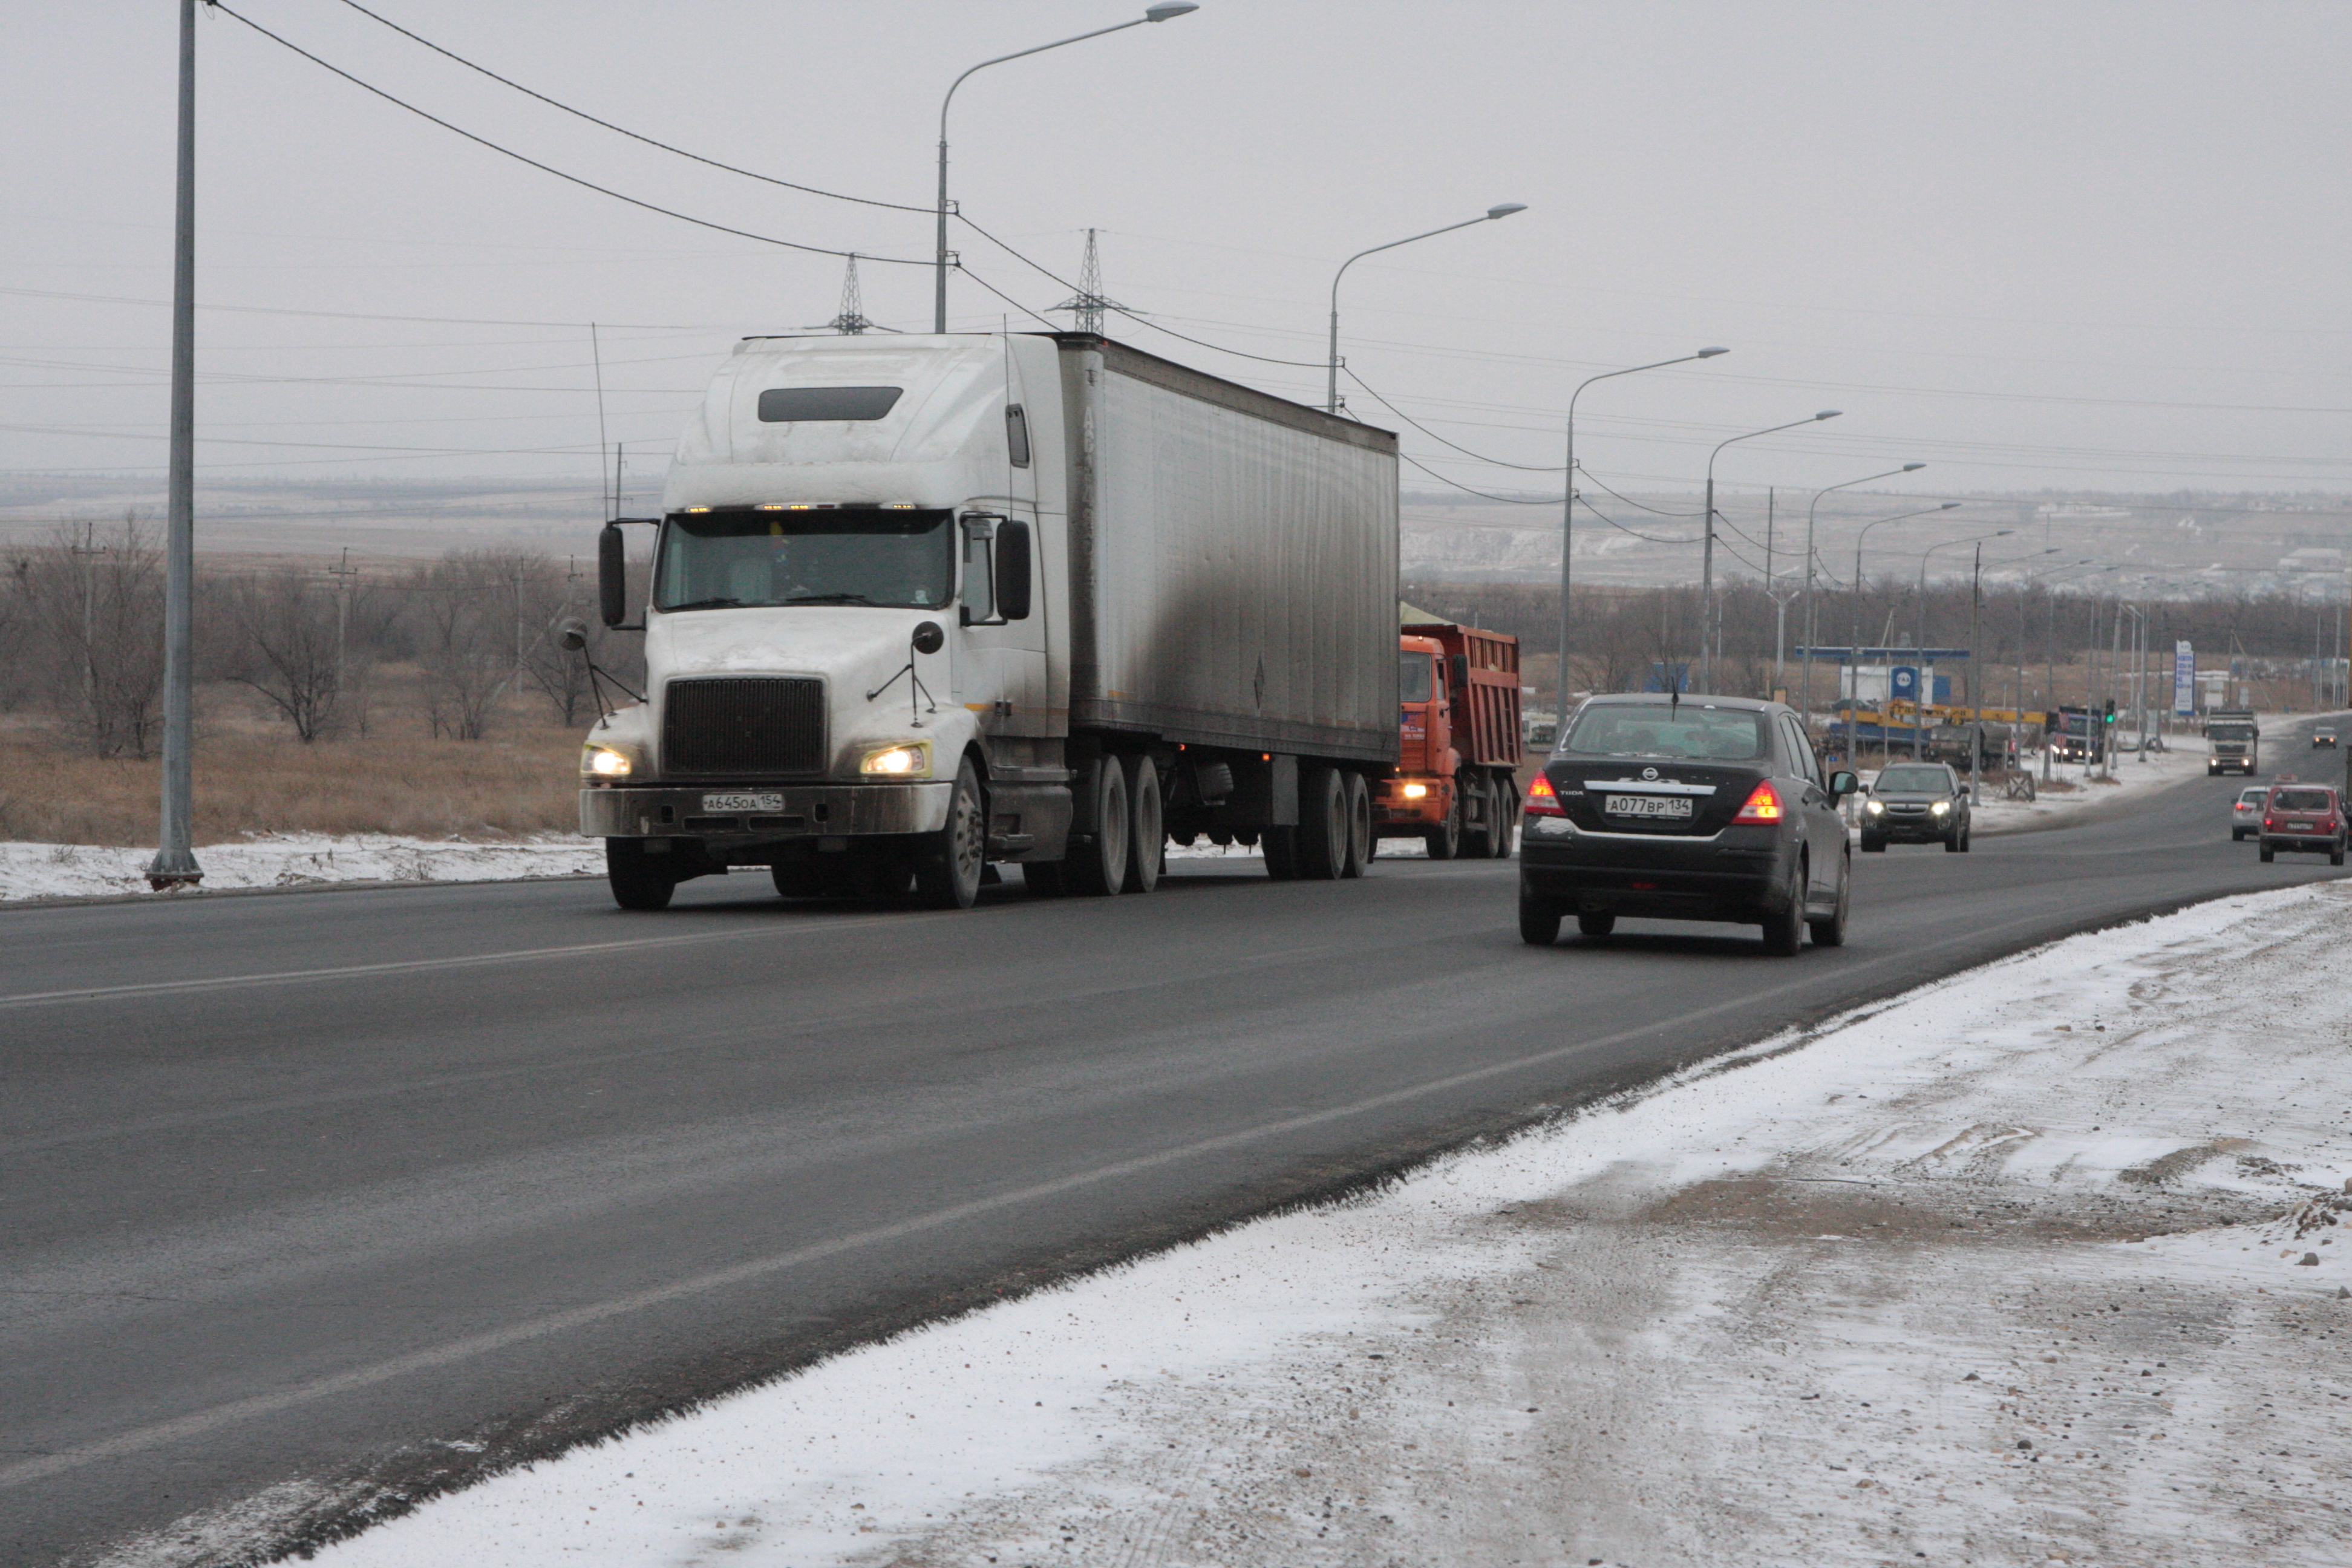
(2075,245)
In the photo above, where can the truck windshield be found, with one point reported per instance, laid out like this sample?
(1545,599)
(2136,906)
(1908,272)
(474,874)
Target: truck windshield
(1690,729)
(2230,733)
(1415,682)
(844,555)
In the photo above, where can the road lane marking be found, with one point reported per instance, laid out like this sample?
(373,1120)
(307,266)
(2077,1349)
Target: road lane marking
(198,1422)
(417,965)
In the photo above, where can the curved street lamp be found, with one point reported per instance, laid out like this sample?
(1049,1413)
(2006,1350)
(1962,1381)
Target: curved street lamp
(1706,629)
(1567,506)
(1919,634)
(1331,395)
(1812,633)
(1167,10)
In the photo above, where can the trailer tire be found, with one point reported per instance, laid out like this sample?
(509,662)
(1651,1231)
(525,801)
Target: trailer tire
(1279,846)
(1323,828)
(1097,869)
(949,869)
(1362,845)
(638,882)
(1147,824)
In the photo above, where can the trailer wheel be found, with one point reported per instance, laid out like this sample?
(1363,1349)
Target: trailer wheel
(948,874)
(1147,830)
(1044,878)
(639,880)
(1093,870)
(1323,829)
(1362,845)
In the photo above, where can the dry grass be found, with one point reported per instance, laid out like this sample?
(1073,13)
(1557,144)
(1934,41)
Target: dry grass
(253,776)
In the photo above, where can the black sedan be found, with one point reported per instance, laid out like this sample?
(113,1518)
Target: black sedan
(1695,808)
(1917,802)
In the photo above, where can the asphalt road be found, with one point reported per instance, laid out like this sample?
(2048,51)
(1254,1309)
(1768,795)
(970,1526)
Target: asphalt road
(361,1190)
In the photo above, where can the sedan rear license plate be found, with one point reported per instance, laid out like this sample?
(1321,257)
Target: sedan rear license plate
(744,801)
(1674,806)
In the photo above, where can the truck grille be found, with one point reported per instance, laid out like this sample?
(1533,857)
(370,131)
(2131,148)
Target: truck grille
(758,727)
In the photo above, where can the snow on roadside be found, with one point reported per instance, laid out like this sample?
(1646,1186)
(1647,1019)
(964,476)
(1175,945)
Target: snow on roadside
(2011,1270)
(293,860)
(2134,775)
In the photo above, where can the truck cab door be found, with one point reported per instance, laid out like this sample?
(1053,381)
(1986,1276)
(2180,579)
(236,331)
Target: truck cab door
(1001,674)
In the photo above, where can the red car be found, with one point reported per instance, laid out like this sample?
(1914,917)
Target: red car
(2308,819)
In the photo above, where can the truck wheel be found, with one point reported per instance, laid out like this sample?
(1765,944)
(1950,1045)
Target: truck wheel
(1362,845)
(1323,828)
(1094,870)
(639,880)
(1539,917)
(1477,800)
(1044,878)
(948,870)
(804,879)
(1279,846)
(1507,820)
(1147,830)
(1445,840)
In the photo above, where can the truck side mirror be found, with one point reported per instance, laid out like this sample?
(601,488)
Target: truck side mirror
(978,570)
(612,575)
(1013,570)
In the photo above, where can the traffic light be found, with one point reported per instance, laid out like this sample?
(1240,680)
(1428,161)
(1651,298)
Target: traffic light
(2111,709)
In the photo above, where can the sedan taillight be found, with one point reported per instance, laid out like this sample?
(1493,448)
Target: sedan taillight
(1763,805)
(1542,800)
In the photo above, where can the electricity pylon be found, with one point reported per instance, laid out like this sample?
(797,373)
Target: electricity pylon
(1090,302)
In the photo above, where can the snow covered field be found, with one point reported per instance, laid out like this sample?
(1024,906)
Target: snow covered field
(293,860)
(2039,1265)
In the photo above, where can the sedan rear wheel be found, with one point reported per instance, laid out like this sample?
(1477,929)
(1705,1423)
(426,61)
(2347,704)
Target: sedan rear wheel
(1784,932)
(1831,933)
(1596,926)
(1539,918)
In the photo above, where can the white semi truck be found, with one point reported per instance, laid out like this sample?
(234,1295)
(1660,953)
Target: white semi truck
(922,604)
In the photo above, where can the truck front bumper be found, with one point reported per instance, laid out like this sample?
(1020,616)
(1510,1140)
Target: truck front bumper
(774,812)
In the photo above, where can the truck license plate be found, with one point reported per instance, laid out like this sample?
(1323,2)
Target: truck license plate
(1667,805)
(744,801)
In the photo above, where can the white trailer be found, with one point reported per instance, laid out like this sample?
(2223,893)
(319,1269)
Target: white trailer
(919,603)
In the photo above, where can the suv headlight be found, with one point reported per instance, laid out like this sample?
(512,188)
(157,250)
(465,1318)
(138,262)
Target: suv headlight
(1941,808)
(907,760)
(1874,806)
(605,762)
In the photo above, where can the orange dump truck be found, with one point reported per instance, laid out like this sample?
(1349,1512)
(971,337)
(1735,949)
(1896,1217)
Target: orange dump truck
(1457,785)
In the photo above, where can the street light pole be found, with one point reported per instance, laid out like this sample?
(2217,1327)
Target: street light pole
(1812,633)
(1854,654)
(1568,507)
(1166,11)
(1706,638)
(175,864)
(1331,393)
(1919,637)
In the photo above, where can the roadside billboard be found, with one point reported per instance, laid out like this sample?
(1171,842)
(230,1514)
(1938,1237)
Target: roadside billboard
(2184,680)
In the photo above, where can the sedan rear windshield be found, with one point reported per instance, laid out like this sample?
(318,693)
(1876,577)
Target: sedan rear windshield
(1690,732)
(1923,780)
(2300,800)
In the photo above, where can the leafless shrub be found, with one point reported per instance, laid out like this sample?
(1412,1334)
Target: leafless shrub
(92,600)
(291,647)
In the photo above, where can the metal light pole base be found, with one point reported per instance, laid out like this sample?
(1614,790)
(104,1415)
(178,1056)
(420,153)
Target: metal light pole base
(168,871)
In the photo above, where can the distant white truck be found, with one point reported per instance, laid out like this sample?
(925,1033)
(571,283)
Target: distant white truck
(919,603)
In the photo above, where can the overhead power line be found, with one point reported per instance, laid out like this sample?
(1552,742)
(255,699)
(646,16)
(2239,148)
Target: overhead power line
(621,130)
(548,168)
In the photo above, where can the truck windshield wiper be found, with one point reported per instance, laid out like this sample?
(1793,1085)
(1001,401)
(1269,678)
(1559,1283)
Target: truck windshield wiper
(828,599)
(705,604)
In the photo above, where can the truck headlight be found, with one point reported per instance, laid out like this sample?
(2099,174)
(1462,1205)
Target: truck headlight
(604,762)
(1414,790)
(908,760)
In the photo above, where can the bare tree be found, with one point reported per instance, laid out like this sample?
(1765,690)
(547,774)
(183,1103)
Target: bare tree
(289,648)
(93,599)
(463,618)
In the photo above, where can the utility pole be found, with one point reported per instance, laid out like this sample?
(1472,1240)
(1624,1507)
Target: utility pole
(1976,658)
(344,575)
(174,864)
